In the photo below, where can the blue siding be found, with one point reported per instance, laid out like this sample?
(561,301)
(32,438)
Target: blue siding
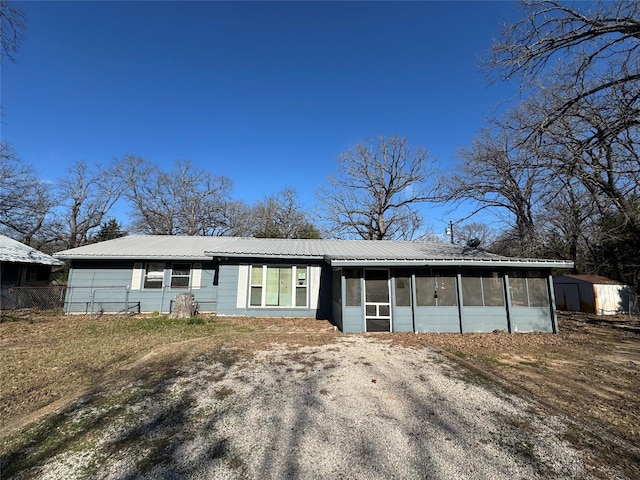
(228,290)
(484,319)
(437,319)
(402,319)
(228,304)
(106,286)
(531,319)
(352,320)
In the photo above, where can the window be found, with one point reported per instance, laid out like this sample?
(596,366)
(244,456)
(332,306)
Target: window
(482,291)
(154,275)
(436,291)
(180,274)
(529,290)
(276,286)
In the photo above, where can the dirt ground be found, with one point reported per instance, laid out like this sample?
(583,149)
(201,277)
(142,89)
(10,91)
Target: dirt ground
(589,371)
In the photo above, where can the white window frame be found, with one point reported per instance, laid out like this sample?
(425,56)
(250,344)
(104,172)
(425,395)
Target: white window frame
(157,275)
(295,271)
(187,276)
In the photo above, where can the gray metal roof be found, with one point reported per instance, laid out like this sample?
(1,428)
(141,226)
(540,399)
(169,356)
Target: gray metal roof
(12,251)
(336,252)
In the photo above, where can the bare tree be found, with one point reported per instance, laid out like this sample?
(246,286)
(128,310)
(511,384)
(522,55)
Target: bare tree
(581,64)
(281,216)
(584,48)
(184,201)
(12,23)
(474,234)
(596,144)
(567,220)
(25,201)
(86,197)
(495,174)
(376,190)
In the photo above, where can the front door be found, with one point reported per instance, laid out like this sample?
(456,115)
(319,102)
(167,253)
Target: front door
(377,304)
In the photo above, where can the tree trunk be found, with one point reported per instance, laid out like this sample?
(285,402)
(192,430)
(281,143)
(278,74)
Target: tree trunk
(184,306)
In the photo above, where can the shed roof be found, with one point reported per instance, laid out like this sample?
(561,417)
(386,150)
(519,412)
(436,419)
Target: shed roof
(334,252)
(12,251)
(594,279)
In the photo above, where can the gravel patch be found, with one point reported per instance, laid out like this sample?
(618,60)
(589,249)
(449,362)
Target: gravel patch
(356,408)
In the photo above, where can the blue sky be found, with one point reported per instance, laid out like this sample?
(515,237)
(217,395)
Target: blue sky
(266,93)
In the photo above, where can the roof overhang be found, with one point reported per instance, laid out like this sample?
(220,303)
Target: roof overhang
(501,263)
(189,258)
(271,256)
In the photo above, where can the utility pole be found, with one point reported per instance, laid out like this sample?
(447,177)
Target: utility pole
(449,230)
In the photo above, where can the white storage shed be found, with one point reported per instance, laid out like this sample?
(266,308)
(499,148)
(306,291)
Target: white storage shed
(593,294)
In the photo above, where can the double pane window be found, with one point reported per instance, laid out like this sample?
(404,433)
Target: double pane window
(154,275)
(180,275)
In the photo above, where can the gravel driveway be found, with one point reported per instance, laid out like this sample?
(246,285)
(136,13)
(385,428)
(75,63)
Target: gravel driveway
(356,408)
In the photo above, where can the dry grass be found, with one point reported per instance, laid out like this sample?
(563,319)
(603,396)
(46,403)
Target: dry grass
(48,360)
(588,372)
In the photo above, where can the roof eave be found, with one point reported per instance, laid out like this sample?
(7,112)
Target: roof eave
(194,258)
(272,256)
(449,262)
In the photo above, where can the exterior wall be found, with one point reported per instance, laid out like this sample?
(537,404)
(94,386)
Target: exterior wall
(485,319)
(107,286)
(453,319)
(226,289)
(530,319)
(437,320)
(234,291)
(575,295)
(612,299)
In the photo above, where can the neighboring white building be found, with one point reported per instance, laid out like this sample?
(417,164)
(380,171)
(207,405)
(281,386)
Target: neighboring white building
(593,294)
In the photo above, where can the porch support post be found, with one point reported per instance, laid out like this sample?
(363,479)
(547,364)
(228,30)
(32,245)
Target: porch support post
(552,304)
(460,299)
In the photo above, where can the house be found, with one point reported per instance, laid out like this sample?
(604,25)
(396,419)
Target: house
(23,266)
(360,285)
(593,294)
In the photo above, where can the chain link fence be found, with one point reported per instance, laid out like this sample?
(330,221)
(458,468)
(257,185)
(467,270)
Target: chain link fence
(95,300)
(39,298)
(61,297)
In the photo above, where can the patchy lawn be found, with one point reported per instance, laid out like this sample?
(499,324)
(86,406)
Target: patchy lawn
(49,360)
(588,372)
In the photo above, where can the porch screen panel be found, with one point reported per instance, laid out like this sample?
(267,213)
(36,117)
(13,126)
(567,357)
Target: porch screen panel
(425,291)
(446,288)
(472,291)
(377,286)
(493,290)
(353,287)
(518,291)
(538,292)
(436,291)
(403,291)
